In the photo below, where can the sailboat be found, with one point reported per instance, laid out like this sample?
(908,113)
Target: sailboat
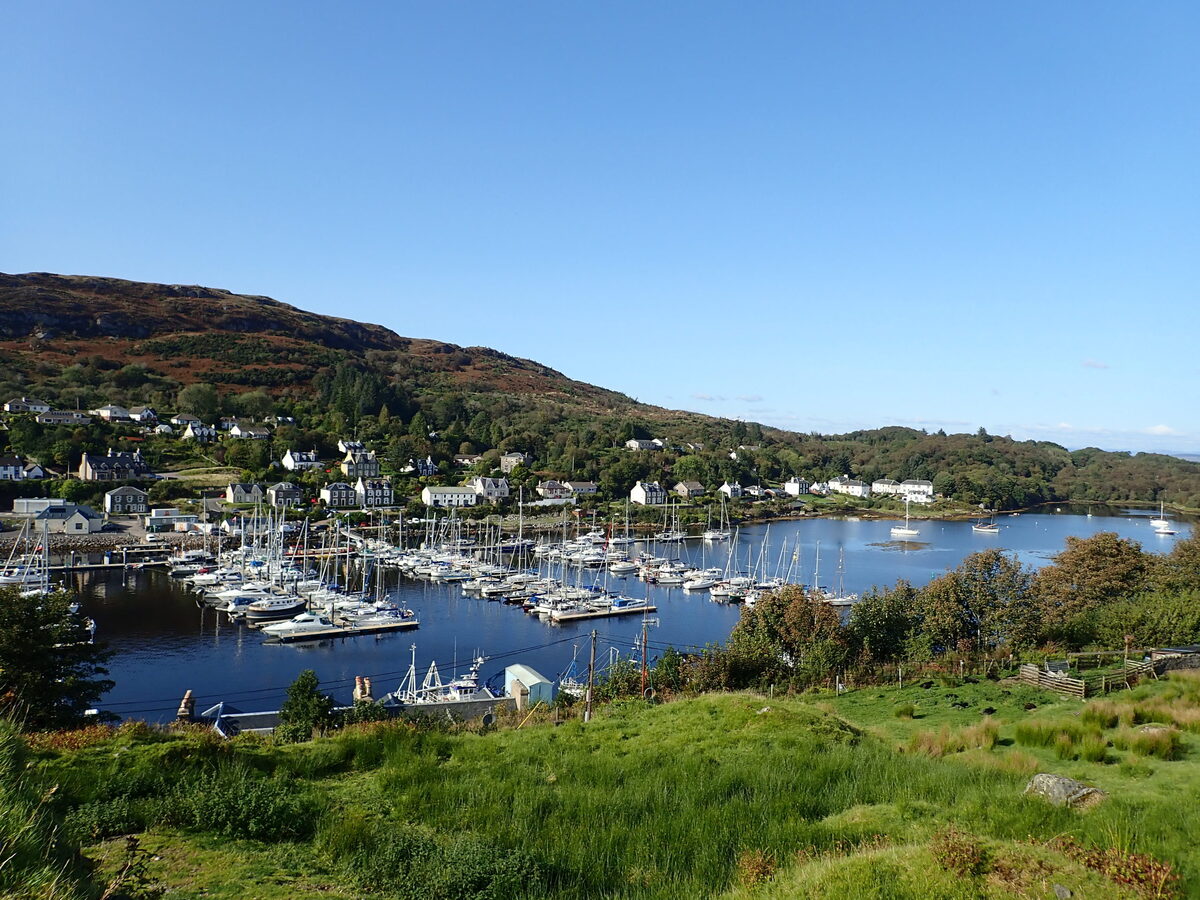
(905,531)
(1161,521)
(989,527)
(721,532)
(1162,525)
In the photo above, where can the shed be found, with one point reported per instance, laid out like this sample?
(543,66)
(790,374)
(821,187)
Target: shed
(519,680)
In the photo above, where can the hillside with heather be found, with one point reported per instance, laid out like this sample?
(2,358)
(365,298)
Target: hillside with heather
(80,342)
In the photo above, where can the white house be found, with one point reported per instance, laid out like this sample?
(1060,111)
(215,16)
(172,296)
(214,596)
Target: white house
(12,468)
(298,460)
(185,419)
(852,487)
(581,487)
(200,433)
(732,491)
(754,490)
(635,444)
(250,432)
(490,489)
(126,501)
(144,414)
(111,413)
(885,486)
(373,492)
(339,495)
(796,486)
(648,493)
(449,496)
(26,405)
(917,490)
(466,460)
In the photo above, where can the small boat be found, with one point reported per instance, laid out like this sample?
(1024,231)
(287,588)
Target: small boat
(274,608)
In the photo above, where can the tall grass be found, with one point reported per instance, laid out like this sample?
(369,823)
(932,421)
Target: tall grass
(35,860)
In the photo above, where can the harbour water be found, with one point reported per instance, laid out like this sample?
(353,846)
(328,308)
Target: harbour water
(165,644)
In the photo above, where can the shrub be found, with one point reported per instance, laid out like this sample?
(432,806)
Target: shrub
(1064,746)
(1150,876)
(755,867)
(960,853)
(904,710)
(1093,748)
(234,802)
(1161,742)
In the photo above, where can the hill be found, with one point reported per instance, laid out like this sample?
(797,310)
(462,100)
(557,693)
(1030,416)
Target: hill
(80,342)
(188,334)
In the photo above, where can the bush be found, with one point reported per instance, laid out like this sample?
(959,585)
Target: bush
(235,802)
(960,853)
(904,710)
(410,864)
(755,867)
(1161,742)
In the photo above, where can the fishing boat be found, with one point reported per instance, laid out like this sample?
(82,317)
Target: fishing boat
(905,531)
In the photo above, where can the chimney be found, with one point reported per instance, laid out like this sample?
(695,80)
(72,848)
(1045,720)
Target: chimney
(367,689)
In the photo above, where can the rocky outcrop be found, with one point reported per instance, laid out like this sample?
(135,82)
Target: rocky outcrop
(1062,791)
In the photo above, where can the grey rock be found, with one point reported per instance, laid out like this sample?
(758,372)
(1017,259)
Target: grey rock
(1063,892)
(1062,791)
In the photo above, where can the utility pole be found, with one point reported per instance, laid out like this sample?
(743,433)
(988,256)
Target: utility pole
(587,712)
(645,628)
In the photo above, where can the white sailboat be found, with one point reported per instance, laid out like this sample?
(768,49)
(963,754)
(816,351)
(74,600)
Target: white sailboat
(905,531)
(1161,522)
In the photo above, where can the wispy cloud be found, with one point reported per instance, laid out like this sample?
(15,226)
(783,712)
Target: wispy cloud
(1094,364)
(750,398)
(708,398)
(1160,430)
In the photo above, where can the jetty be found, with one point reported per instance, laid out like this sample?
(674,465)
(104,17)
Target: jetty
(602,613)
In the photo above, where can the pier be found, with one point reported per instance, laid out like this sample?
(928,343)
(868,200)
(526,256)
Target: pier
(601,613)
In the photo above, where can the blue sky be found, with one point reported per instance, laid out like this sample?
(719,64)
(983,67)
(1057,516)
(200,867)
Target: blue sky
(820,216)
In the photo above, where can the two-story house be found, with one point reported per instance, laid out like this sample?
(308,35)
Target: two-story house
(491,490)
(241,492)
(283,494)
(373,492)
(360,464)
(113,467)
(689,489)
(126,501)
(512,459)
(449,496)
(648,493)
(339,495)
(299,460)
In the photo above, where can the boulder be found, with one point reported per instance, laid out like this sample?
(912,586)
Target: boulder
(1062,791)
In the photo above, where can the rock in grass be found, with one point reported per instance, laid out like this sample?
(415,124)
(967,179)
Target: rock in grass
(1062,892)
(1062,791)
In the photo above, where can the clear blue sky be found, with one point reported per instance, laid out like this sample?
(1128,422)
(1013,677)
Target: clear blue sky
(822,216)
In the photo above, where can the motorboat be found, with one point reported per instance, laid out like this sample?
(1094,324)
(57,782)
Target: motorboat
(305,623)
(274,608)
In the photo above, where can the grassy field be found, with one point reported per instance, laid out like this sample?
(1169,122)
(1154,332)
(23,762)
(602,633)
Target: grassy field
(876,793)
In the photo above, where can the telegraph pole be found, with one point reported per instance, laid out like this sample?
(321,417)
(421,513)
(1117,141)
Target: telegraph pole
(645,628)
(587,712)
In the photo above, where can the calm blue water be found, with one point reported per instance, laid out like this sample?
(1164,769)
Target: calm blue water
(165,644)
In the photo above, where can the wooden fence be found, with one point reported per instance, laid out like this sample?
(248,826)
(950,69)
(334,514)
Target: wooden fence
(1098,685)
